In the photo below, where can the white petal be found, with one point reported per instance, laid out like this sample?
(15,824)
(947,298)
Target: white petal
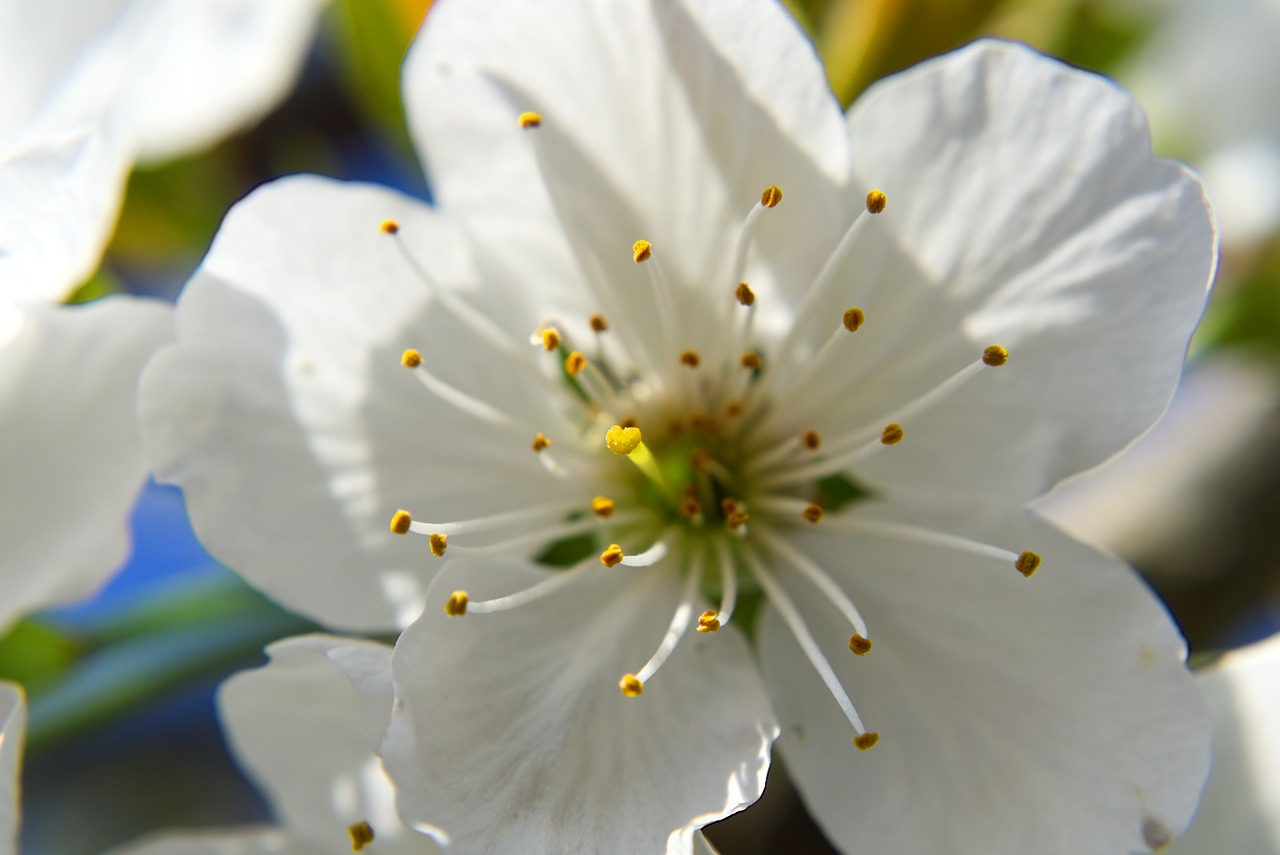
(1025,209)
(1240,811)
(661,121)
(514,737)
(1051,715)
(13,725)
(58,204)
(72,457)
(236,841)
(174,75)
(298,726)
(286,417)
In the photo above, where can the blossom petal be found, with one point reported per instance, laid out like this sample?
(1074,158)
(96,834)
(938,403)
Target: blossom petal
(72,457)
(1240,811)
(13,725)
(641,103)
(58,202)
(1052,714)
(1026,210)
(298,726)
(284,410)
(518,715)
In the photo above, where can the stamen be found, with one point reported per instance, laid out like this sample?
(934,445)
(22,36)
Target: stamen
(599,324)
(456,605)
(745,295)
(400,522)
(439,543)
(827,274)
(642,253)
(734,408)
(866,741)
(779,600)
(690,358)
(648,558)
(540,443)
(460,400)
(537,513)
(361,835)
(737,521)
(530,119)
(679,625)
(995,356)
(550,338)
(1026,563)
(535,537)
(612,556)
(815,574)
(810,440)
(708,622)
(574,363)
(602,507)
(691,508)
(812,513)
(548,586)
(728,582)
(859,645)
(389,227)
(751,361)
(892,434)
(630,685)
(853,319)
(770,198)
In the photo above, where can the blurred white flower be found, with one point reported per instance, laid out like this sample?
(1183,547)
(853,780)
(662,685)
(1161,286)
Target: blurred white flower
(1240,811)
(13,724)
(89,86)
(297,726)
(841,436)
(1208,78)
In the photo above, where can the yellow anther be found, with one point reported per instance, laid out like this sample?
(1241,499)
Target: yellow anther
(690,508)
(737,520)
(734,408)
(859,645)
(438,543)
(539,442)
(361,835)
(854,318)
(876,201)
(411,358)
(811,440)
(690,358)
(389,227)
(728,506)
(574,363)
(812,513)
(400,522)
(708,621)
(751,360)
(892,434)
(530,119)
(866,741)
(1028,563)
(995,356)
(598,323)
(612,556)
(550,338)
(602,507)
(640,251)
(622,440)
(630,685)
(456,606)
(745,295)
(771,196)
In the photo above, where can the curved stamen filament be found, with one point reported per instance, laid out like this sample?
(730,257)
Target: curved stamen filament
(679,625)
(551,510)
(553,583)
(649,557)
(890,434)
(644,255)
(460,400)
(800,385)
(536,537)
(779,600)
(1025,562)
(728,581)
(815,574)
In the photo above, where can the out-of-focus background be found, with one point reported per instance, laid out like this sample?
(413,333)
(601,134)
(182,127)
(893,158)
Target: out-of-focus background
(123,736)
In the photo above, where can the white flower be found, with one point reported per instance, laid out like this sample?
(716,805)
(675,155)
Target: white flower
(1026,222)
(1240,811)
(13,725)
(89,86)
(298,727)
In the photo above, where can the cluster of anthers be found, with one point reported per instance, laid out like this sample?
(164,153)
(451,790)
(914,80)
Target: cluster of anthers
(688,453)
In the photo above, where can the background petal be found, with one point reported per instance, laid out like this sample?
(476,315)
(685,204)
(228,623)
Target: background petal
(13,723)
(1025,209)
(1052,714)
(517,715)
(72,456)
(236,841)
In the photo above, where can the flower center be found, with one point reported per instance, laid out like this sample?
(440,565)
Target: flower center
(681,459)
